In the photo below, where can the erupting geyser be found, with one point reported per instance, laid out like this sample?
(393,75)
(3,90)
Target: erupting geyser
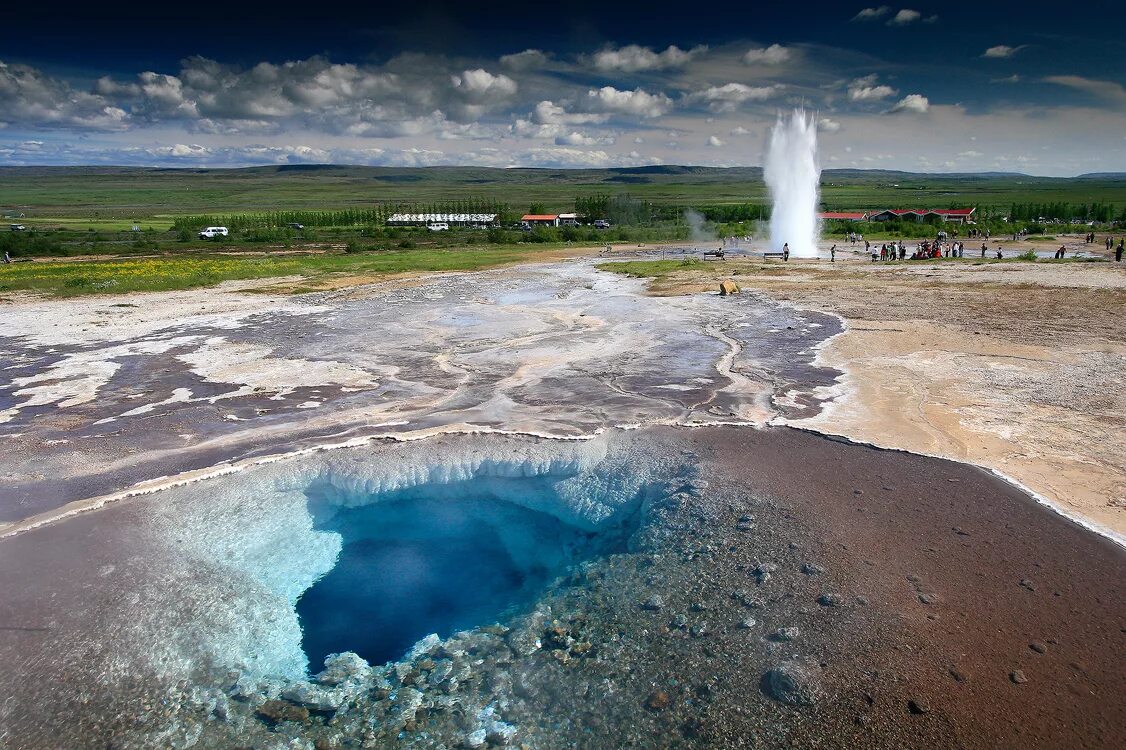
(792,175)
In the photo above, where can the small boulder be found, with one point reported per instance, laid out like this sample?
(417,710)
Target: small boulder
(654,603)
(728,287)
(793,682)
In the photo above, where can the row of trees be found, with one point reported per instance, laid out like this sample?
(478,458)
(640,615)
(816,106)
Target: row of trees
(1104,213)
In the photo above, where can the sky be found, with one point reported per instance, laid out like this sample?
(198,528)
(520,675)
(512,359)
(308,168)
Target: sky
(1030,87)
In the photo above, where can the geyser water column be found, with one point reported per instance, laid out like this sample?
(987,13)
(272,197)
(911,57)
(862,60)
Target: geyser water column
(793,175)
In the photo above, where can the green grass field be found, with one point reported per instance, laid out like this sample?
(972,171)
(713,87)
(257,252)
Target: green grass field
(65,279)
(91,211)
(125,196)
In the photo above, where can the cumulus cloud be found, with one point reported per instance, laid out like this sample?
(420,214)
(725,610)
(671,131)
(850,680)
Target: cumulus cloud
(29,96)
(728,97)
(637,102)
(550,113)
(529,59)
(634,58)
(912,103)
(871,14)
(1110,91)
(1001,51)
(775,54)
(905,17)
(481,83)
(714,142)
(739,130)
(867,89)
(827,125)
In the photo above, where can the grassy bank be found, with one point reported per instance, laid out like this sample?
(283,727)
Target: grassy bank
(180,272)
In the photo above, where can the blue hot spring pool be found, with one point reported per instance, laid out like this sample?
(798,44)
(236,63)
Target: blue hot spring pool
(441,557)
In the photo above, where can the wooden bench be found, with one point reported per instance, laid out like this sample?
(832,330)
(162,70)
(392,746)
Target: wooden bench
(773,255)
(717,254)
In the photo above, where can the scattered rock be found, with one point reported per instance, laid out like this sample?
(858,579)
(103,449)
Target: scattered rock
(658,700)
(1017,676)
(1026,583)
(812,569)
(958,675)
(747,623)
(679,622)
(785,634)
(1038,647)
(728,287)
(918,706)
(928,598)
(960,531)
(276,710)
(699,630)
(829,600)
(476,738)
(863,601)
(313,697)
(343,667)
(792,682)
(653,603)
(858,492)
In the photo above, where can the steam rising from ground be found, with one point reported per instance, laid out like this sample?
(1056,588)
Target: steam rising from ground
(792,175)
(698,228)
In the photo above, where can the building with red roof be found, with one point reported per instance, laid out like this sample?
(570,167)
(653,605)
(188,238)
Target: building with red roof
(952,215)
(843,215)
(543,220)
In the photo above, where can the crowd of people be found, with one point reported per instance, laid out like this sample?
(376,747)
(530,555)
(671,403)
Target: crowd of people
(923,250)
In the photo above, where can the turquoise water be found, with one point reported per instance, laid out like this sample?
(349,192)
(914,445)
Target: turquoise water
(437,558)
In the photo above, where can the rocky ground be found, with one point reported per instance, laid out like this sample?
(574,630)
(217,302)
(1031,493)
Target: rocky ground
(1018,367)
(787,590)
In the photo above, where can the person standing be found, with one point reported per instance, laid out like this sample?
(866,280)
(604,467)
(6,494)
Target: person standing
(785,251)
(983,249)
(8,258)
(833,254)
(1118,252)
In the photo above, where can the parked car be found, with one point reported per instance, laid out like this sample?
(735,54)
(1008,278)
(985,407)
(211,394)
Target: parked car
(438,226)
(601,224)
(295,225)
(569,223)
(212,232)
(17,227)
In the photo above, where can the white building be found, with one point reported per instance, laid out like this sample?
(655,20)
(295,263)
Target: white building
(454,220)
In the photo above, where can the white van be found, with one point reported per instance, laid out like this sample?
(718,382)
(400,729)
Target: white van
(211,232)
(438,226)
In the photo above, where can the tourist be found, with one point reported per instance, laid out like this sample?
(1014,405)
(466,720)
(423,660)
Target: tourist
(1000,255)
(785,251)
(983,248)
(833,254)
(8,258)
(1117,253)
(884,251)
(1108,244)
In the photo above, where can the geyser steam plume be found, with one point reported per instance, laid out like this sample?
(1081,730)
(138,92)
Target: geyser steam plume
(792,175)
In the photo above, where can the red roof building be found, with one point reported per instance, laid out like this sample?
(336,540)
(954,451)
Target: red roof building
(547,220)
(843,215)
(956,215)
